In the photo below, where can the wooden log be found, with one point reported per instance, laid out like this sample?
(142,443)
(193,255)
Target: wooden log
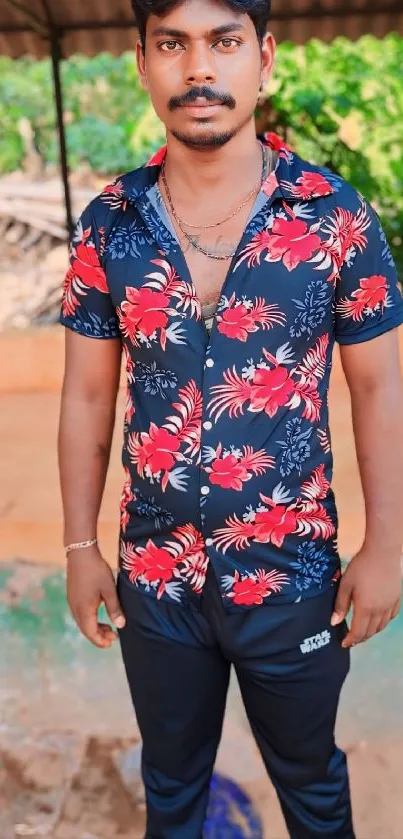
(26,217)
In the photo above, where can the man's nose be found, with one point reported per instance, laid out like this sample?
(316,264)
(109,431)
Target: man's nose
(200,68)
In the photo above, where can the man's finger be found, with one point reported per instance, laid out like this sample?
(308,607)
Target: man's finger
(358,629)
(90,628)
(343,602)
(377,623)
(113,606)
(107,632)
(396,609)
(385,621)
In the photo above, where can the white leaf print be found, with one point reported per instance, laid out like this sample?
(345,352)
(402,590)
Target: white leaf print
(281,495)
(79,232)
(209,454)
(176,333)
(327,263)
(303,211)
(178,478)
(285,354)
(227,582)
(174,591)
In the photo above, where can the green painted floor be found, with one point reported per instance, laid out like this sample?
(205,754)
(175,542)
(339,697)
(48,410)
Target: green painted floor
(51,676)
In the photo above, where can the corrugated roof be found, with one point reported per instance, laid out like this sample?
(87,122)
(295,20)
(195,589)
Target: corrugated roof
(92,26)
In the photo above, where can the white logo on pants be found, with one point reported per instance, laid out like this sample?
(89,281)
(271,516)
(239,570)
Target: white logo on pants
(315,642)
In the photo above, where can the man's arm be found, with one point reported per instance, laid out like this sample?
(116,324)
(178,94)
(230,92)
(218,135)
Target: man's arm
(87,418)
(372,581)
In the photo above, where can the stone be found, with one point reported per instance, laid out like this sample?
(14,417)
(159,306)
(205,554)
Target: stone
(38,768)
(127,762)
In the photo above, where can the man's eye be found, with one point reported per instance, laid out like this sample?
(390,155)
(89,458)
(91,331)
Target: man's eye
(169,46)
(228,42)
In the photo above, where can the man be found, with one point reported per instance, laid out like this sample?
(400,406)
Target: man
(228,551)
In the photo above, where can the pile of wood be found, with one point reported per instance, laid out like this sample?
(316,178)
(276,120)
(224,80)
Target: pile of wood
(33,256)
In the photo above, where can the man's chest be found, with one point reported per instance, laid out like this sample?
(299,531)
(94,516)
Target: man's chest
(277,290)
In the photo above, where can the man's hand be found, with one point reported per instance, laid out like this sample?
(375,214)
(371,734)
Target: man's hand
(90,582)
(374,588)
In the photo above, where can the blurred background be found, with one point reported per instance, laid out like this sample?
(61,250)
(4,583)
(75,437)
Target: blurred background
(73,116)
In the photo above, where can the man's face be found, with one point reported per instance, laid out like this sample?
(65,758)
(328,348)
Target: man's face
(203,67)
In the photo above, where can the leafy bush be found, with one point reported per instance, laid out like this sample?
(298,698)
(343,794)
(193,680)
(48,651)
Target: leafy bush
(340,105)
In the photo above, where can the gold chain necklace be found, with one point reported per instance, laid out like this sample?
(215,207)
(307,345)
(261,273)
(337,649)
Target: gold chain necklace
(191,239)
(232,214)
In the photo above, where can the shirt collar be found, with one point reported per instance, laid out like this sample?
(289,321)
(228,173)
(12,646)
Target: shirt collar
(296,179)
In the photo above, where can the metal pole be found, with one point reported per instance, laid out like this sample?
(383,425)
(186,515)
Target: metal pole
(56,56)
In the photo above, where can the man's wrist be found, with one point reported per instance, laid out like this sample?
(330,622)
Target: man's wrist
(382,549)
(80,546)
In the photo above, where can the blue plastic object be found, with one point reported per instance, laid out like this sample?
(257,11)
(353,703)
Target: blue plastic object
(231,814)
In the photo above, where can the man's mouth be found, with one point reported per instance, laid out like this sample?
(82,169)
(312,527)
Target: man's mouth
(201,102)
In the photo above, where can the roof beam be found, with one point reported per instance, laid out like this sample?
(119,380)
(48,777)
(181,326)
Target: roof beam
(86,26)
(36,23)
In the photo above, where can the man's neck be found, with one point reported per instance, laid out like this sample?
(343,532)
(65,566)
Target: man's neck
(198,174)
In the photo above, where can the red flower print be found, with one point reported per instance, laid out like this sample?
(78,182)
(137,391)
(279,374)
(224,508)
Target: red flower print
(86,267)
(157,449)
(275,141)
(251,590)
(182,559)
(371,295)
(157,158)
(113,195)
(129,414)
(237,323)
(346,234)
(274,525)
(85,272)
(247,592)
(228,472)
(143,312)
(304,516)
(151,564)
(270,184)
(127,498)
(292,242)
(309,185)
(239,320)
(271,389)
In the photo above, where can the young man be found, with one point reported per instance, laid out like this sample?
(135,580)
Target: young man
(226,268)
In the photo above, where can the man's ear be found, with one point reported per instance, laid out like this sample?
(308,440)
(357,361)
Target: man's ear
(141,65)
(268,57)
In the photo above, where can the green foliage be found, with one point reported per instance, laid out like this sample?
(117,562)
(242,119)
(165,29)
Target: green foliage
(340,104)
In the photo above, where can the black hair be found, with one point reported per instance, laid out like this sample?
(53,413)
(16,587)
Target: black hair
(258,11)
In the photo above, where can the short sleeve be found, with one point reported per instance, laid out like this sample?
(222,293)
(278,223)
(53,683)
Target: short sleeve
(87,307)
(369,297)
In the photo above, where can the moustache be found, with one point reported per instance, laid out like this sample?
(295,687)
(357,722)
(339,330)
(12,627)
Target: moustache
(206,93)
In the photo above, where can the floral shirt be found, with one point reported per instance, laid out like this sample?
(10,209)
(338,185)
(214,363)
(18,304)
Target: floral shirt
(227,453)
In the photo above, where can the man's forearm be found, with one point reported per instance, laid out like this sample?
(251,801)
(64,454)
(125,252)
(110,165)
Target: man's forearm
(377,420)
(85,437)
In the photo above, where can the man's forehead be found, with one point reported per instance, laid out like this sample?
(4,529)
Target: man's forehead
(194,17)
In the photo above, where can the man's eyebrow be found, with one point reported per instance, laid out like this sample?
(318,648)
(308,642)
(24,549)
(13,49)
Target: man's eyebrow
(224,29)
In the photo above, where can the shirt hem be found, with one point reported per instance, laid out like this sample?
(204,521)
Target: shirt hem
(372,332)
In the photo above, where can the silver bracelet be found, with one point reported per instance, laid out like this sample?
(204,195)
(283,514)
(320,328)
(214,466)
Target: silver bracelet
(76,546)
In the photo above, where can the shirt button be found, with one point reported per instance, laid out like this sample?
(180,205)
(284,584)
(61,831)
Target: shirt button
(209,543)
(205,490)
(209,362)
(208,425)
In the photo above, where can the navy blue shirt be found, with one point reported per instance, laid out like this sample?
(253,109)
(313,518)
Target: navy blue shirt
(227,452)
